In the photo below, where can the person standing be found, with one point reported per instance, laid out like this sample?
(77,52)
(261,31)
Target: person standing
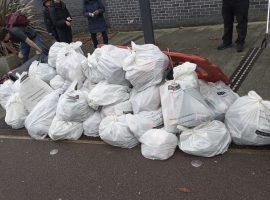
(239,10)
(61,20)
(93,10)
(47,19)
(27,37)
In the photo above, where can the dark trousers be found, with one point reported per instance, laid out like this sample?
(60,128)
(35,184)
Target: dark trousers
(95,40)
(238,9)
(64,35)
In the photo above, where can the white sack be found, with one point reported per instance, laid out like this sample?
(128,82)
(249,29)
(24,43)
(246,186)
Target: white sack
(110,64)
(219,97)
(248,120)
(105,94)
(90,67)
(68,63)
(183,107)
(158,144)
(32,91)
(59,83)
(144,121)
(39,120)
(88,86)
(53,52)
(15,112)
(6,91)
(42,71)
(62,130)
(73,105)
(145,66)
(207,140)
(146,100)
(185,75)
(115,131)
(117,109)
(91,125)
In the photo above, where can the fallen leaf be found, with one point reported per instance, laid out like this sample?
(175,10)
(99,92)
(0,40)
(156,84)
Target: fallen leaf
(184,189)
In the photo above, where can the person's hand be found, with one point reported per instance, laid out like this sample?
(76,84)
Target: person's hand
(68,23)
(96,12)
(50,34)
(20,55)
(38,52)
(69,19)
(91,14)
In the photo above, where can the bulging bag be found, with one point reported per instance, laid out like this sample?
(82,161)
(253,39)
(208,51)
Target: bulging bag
(6,91)
(53,53)
(40,118)
(105,94)
(146,100)
(59,83)
(91,125)
(185,107)
(207,140)
(115,131)
(145,66)
(15,112)
(158,144)
(117,109)
(42,71)
(63,130)
(248,120)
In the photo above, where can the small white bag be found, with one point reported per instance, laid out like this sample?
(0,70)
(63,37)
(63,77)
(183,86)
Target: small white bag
(144,121)
(59,83)
(207,140)
(53,53)
(158,144)
(42,71)
(115,131)
(15,112)
(40,118)
(73,105)
(6,91)
(90,67)
(184,107)
(105,94)
(248,120)
(91,125)
(117,109)
(146,100)
(62,130)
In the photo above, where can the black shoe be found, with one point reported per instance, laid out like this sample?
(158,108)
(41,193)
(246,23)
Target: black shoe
(223,46)
(240,47)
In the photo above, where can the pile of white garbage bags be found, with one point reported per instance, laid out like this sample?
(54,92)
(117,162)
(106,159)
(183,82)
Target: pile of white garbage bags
(122,96)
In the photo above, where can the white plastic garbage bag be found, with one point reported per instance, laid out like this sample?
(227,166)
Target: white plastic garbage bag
(68,63)
(144,121)
(91,125)
(32,91)
(39,120)
(53,52)
(105,94)
(115,131)
(42,71)
(184,107)
(248,120)
(6,91)
(117,109)
(73,105)
(185,75)
(15,112)
(59,83)
(63,130)
(17,83)
(110,64)
(219,97)
(146,100)
(145,66)
(207,140)
(90,67)
(158,144)
(88,86)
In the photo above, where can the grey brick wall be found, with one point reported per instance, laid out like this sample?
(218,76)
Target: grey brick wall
(125,14)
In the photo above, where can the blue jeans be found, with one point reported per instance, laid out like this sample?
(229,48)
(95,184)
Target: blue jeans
(25,50)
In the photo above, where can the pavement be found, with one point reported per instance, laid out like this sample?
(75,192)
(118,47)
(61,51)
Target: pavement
(91,169)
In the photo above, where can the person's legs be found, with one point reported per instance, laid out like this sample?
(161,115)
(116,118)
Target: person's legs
(228,18)
(25,50)
(105,37)
(94,39)
(241,13)
(64,35)
(37,41)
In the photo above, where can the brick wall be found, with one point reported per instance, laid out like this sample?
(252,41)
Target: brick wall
(125,14)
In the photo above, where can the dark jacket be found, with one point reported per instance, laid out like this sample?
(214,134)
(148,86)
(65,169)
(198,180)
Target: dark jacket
(49,24)
(97,23)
